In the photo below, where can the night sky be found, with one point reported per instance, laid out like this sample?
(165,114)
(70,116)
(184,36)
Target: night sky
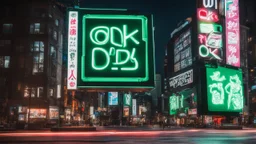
(167,13)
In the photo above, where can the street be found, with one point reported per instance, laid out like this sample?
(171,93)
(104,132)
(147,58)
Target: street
(171,136)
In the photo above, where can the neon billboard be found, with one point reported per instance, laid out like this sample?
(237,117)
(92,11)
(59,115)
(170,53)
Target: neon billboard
(210,31)
(232,33)
(114,50)
(224,89)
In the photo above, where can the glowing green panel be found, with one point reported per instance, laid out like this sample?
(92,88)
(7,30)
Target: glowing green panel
(175,103)
(114,48)
(127,99)
(224,89)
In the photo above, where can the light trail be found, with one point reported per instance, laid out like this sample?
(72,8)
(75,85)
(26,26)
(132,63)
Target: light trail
(70,134)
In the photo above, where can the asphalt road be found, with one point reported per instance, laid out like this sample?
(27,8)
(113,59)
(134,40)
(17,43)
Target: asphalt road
(181,136)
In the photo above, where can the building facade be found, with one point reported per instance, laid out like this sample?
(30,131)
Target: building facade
(248,17)
(31,60)
(200,52)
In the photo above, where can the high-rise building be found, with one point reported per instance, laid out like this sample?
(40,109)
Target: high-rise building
(248,17)
(31,42)
(208,68)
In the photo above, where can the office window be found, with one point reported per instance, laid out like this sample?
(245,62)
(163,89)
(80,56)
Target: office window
(51,92)
(20,48)
(34,92)
(57,22)
(7,28)
(21,61)
(53,52)
(55,35)
(4,61)
(37,49)
(40,91)
(5,43)
(26,92)
(36,28)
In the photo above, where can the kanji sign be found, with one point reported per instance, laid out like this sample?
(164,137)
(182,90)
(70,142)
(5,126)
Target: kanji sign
(72,50)
(224,89)
(232,33)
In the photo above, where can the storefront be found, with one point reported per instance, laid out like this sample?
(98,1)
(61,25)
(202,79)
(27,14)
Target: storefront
(183,106)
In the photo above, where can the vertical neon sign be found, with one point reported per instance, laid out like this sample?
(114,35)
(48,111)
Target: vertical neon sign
(232,32)
(72,50)
(210,38)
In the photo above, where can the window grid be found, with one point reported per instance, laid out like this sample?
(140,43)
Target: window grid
(37,49)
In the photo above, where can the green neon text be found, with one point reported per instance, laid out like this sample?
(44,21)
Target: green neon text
(109,34)
(113,44)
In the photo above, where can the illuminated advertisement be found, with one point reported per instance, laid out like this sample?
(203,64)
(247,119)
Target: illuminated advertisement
(210,31)
(72,50)
(224,89)
(189,97)
(53,112)
(192,111)
(127,99)
(232,32)
(182,51)
(134,107)
(21,117)
(126,111)
(113,50)
(22,109)
(68,114)
(183,101)
(181,79)
(174,104)
(112,98)
(37,113)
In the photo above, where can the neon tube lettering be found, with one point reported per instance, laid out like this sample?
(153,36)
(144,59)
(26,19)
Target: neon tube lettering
(101,35)
(126,37)
(209,16)
(204,51)
(112,38)
(210,3)
(118,57)
(94,35)
(96,67)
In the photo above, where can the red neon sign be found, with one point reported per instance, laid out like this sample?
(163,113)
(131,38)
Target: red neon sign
(206,15)
(202,38)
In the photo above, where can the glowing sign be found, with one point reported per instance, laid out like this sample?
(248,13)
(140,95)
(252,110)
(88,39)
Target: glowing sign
(181,79)
(72,50)
(127,99)
(134,107)
(175,103)
(208,16)
(112,98)
(224,89)
(210,4)
(210,38)
(115,48)
(232,33)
